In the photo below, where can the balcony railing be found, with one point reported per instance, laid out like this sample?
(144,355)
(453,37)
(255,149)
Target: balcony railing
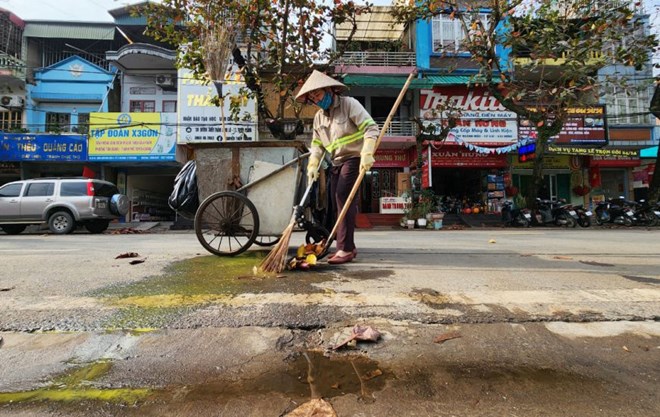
(12,66)
(396,128)
(522,58)
(378,59)
(50,58)
(399,128)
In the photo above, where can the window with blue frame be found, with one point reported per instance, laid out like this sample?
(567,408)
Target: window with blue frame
(448,33)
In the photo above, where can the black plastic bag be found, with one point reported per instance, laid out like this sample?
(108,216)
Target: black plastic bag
(184,199)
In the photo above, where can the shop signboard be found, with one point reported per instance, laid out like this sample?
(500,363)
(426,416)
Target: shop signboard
(614,161)
(201,121)
(391,158)
(43,147)
(585,126)
(132,136)
(483,121)
(582,151)
(464,158)
(394,205)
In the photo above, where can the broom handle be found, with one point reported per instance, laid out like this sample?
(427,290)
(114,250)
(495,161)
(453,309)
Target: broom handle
(356,186)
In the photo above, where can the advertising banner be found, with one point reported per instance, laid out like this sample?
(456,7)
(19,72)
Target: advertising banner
(483,119)
(43,147)
(132,136)
(578,150)
(201,121)
(585,126)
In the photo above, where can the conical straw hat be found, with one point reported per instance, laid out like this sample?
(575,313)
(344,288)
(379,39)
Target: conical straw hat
(315,81)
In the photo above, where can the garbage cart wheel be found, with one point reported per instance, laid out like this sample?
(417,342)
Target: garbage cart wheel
(267,240)
(226,223)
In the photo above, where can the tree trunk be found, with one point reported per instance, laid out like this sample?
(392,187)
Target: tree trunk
(537,172)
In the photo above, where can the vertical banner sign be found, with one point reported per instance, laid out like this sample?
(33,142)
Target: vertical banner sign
(132,136)
(201,121)
(425,174)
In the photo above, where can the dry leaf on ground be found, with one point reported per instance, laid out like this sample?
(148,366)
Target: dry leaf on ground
(372,374)
(362,333)
(317,407)
(127,255)
(446,336)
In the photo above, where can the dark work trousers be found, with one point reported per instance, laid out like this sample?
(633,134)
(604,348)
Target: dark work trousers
(342,179)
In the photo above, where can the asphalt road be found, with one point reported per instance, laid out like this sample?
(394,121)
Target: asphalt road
(547,322)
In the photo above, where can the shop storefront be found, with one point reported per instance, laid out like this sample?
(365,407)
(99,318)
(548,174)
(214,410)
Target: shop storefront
(612,176)
(468,170)
(562,174)
(388,178)
(466,179)
(137,151)
(9,171)
(27,156)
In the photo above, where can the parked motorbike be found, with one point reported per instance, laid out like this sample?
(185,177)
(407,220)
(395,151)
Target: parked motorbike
(614,211)
(549,212)
(645,213)
(584,215)
(515,217)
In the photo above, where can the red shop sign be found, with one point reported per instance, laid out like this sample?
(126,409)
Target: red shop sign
(391,158)
(614,161)
(460,157)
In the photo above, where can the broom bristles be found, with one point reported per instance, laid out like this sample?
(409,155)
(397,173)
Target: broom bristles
(217,45)
(275,261)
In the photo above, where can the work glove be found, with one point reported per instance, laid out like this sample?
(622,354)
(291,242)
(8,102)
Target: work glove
(367,154)
(313,169)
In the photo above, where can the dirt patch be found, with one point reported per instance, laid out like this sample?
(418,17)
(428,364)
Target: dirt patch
(368,274)
(645,280)
(195,283)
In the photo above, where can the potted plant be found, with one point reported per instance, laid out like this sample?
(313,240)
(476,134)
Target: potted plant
(581,190)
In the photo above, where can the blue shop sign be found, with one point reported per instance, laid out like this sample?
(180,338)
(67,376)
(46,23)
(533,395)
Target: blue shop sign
(55,148)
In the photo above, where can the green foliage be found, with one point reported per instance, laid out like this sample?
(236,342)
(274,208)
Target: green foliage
(564,44)
(520,201)
(280,41)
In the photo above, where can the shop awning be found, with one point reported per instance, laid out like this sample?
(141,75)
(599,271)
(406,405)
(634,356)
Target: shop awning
(97,31)
(651,152)
(397,81)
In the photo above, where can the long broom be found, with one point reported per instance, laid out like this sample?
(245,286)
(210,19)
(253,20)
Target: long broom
(275,261)
(217,43)
(356,186)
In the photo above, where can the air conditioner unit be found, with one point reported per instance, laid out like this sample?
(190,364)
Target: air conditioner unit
(164,80)
(12,101)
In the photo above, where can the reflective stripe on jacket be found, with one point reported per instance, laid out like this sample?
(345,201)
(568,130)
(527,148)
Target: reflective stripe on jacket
(341,130)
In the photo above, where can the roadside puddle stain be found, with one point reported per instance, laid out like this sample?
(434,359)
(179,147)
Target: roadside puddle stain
(431,298)
(308,375)
(197,282)
(77,386)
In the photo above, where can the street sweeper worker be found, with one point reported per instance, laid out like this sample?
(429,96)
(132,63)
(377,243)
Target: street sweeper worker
(344,129)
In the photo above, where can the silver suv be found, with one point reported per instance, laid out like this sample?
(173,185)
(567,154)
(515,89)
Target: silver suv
(63,203)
